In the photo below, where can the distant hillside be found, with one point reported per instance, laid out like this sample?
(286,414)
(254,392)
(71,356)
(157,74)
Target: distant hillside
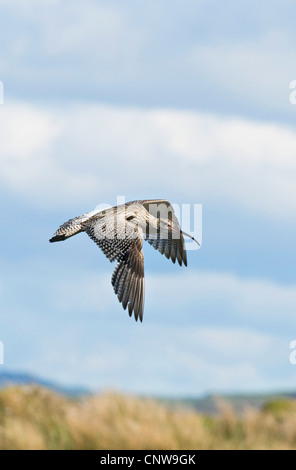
(209,404)
(240,403)
(20,378)
(212,404)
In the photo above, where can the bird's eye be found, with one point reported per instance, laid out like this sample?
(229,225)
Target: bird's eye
(130,217)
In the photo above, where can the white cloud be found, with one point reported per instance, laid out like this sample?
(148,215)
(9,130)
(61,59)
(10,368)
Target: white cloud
(97,32)
(136,53)
(249,300)
(28,134)
(256,67)
(93,152)
(25,130)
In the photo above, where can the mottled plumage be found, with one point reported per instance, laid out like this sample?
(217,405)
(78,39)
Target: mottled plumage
(119,232)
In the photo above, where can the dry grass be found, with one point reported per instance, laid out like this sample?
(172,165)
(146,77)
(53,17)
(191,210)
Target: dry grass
(33,417)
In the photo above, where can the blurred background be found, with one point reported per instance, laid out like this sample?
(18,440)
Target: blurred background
(188,101)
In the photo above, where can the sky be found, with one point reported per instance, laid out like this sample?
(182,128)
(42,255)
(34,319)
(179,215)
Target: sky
(190,101)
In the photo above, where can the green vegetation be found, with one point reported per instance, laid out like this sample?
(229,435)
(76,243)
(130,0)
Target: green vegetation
(32,417)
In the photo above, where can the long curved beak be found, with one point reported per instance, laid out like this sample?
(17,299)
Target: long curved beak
(189,236)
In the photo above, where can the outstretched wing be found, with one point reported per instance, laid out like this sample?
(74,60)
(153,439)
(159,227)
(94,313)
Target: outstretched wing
(172,248)
(128,276)
(128,280)
(168,241)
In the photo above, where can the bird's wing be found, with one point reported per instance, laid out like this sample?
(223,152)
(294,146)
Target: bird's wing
(128,277)
(128,280)
(172,248)
(168,242)
(110,237)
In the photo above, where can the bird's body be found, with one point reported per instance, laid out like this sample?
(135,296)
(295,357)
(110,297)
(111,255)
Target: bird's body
(119,231)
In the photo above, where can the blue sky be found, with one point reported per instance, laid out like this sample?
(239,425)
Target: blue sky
(187,101)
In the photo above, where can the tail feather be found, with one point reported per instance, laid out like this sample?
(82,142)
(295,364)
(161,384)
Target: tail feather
(72,227)
(58,238)
(67,230)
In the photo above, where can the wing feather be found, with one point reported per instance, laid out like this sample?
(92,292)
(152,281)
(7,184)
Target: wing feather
(128,276)
(128,280)
(170,242)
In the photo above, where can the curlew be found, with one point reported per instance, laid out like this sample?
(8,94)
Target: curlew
(119,231)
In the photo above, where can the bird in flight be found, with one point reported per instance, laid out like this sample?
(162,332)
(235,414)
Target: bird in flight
(119,231)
